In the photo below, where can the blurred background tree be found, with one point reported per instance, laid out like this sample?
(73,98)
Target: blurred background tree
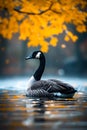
(42,24)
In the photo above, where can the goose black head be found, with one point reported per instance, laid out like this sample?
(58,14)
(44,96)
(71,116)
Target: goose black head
(36,55)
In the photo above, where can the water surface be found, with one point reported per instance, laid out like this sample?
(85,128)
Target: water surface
(18,112)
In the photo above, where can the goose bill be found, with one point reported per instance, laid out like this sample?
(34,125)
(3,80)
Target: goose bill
(28,57)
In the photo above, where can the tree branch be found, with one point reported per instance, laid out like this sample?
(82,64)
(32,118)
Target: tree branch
(57,12)
(31,13)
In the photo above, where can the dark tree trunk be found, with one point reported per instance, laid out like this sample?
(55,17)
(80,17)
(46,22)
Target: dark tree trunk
(3,45)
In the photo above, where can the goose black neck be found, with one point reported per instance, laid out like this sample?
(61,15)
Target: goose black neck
(38,73)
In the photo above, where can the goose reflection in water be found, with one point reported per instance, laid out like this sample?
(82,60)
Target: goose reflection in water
(36,110)
(49,113)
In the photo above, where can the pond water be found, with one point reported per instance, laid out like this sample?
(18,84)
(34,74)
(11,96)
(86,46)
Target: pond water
(18,112)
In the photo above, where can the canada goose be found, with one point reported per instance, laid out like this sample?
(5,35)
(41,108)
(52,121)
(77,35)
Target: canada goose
(46,88)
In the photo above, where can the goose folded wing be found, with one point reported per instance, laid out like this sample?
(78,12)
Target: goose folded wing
(61,87)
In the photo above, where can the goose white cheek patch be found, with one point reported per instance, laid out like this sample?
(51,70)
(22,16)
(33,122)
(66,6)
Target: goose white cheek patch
(38,55)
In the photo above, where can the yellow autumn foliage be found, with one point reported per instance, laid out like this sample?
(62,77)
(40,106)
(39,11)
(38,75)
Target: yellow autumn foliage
(54,41)
(38,20)
(66,38)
